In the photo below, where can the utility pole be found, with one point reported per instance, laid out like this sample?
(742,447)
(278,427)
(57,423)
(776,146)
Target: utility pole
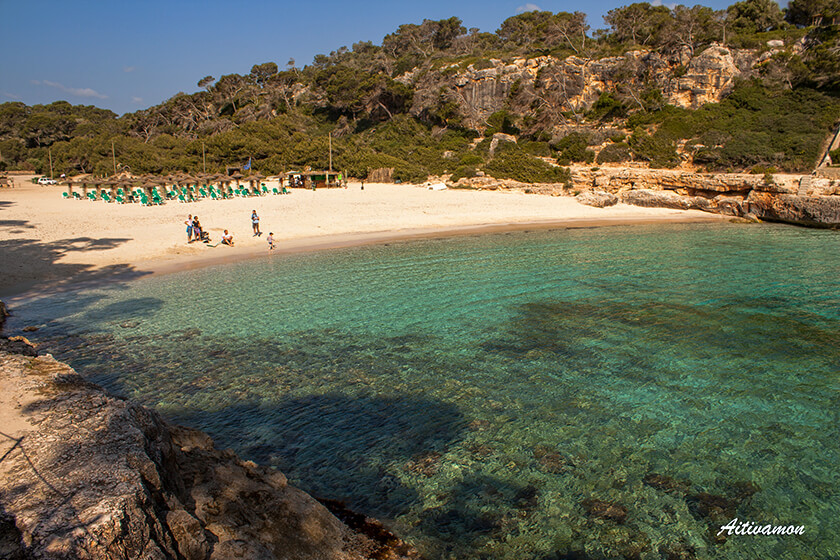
(203,158)
(49,151)
(114,156)
(330,137)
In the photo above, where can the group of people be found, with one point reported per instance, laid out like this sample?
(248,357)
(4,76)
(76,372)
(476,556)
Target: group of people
(196,233)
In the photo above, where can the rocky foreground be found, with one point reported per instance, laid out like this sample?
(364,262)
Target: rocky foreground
(86,475)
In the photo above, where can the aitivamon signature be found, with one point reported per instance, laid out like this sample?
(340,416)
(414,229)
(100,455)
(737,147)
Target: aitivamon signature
(736,527)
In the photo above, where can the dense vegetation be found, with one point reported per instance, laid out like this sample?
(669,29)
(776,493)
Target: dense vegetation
(393,105)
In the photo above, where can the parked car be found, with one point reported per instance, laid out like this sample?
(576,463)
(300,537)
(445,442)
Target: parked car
(46,181)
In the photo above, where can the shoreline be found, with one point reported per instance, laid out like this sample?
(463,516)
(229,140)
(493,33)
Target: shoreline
(158,266)
(52,245)
(294,246)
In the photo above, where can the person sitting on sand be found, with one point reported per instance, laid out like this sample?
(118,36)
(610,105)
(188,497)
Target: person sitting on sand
(270,240)
(227,239)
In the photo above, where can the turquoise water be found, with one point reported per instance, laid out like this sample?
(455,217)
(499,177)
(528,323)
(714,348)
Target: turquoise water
(583,393)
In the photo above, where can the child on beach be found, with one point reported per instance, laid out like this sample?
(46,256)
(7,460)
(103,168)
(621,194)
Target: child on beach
(270,240)
(227,239)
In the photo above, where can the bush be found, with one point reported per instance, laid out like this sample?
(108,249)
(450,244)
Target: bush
(606,108)
(614,153)
(540,149)
(573,147)
(657,149)
(501,121)
(464,171)
(510,162)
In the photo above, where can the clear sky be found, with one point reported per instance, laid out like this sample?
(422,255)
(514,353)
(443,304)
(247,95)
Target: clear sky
(128,55)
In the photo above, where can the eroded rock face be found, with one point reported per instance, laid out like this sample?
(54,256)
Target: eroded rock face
(91,476)
(804,210)
(575,83)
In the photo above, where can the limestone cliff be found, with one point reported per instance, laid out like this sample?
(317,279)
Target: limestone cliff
(85,475)
(574,83)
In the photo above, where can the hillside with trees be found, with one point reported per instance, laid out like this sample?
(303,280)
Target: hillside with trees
(428,99)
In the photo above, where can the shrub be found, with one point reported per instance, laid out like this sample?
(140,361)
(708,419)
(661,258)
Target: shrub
(501,121)
(573,147)
(657,149)
(464,171)
(510,162)
(614,153)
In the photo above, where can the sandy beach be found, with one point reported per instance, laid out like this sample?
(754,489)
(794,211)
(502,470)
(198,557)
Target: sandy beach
(47,242)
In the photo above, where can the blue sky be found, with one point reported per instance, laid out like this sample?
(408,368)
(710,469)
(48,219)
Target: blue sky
(130,55)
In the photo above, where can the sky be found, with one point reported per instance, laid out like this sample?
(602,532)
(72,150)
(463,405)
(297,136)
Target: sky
(128,55)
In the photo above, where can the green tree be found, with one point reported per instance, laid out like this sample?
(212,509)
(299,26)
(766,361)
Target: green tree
(812,12)
(261,73)
(639,23)
(754,15)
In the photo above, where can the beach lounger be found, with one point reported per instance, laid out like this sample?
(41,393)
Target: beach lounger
(65,195)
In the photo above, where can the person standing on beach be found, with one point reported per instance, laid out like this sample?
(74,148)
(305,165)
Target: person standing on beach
(196,229)
(189,223)
(255,221)
(270,240)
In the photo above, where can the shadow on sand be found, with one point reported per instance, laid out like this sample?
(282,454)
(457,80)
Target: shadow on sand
(31,264)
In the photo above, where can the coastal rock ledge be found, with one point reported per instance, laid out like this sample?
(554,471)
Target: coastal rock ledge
(86,475)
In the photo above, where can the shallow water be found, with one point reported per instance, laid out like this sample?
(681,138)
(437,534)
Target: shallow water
(580,393)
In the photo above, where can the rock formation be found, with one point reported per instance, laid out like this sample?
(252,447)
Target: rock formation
(574,83)
(802,200)
(86,475)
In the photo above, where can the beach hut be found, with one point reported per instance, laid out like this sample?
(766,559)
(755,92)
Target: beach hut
(319,179)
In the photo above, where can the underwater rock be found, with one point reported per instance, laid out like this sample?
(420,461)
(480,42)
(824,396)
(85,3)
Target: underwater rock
(677,551)
(666,483)
(130,324)
(478,425)
(29,328)
(527,498)
(426,465)
(551,461)
(604,510)
(481,450)
(712,507)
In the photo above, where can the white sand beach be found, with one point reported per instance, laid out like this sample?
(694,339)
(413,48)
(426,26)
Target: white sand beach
(47,241)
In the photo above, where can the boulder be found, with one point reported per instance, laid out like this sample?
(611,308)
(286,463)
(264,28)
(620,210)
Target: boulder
(821,211)
(599,199)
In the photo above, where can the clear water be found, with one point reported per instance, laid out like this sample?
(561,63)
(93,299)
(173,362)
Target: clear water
(478,393)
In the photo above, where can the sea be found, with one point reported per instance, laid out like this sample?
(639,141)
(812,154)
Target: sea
(577,393)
